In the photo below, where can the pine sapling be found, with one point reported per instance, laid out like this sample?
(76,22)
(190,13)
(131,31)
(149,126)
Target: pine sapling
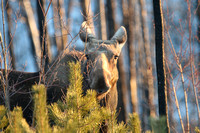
(3,118)
(18,123)
(40,109)
(78,113)
(134,123)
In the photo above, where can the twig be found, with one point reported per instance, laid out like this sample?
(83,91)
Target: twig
(43,42)
(176,99)
(182,79)
(191,60)
(4,49)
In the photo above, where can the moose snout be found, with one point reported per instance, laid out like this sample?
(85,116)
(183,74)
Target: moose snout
(101,85)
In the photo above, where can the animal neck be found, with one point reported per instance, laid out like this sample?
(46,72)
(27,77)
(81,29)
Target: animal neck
(110,100)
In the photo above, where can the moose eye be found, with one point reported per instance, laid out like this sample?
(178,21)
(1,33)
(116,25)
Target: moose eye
(116,57)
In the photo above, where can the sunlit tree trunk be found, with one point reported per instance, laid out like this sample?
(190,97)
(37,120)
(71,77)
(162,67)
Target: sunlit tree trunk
(60,24)
(43,31)
(141,69)
(160,61)
(10,35)
(69,9)
(132,60)
(102,22)
(123,78)
(57,26)
(35,36)
(149,75)
(3,45)
(87,13)
(62,18)
(128,20)
(111,18)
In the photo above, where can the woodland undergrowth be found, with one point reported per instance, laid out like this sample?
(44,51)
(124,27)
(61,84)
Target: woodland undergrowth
(76,113)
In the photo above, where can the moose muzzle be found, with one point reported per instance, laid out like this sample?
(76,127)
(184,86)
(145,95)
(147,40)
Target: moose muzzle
(100,75)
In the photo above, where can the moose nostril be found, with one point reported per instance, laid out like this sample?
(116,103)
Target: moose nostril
(103,88)
(101,85)
(100,91)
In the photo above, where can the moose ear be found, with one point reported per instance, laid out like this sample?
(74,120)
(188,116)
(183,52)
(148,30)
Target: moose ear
(86,33)
(120,36)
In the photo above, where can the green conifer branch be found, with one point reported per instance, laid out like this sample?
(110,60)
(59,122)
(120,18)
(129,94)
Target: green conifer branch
(40,109)
(18,123)
(3,119)
(78,113)
(134,123)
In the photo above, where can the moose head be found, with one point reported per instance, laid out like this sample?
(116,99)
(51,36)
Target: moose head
(102,56)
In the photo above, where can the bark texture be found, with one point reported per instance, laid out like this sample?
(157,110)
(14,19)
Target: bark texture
(160,60)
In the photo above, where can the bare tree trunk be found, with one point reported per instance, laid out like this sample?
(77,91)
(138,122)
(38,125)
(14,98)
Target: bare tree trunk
(3,80)
(129,23)
(87,13)
(57,26)
(124,89)
(33,30)
(43,32)
(40,12)
(102,22)
(111,18)
(160,61)
(10,36)
(149,77)
(49,53)
(123,77)
(47,44)
(70,6)
(62,18)
(141,73)
(132,60)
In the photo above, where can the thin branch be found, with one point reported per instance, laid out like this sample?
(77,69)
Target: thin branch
(182,78)
(4,49)
(192,62)
(42,64)
(176,99)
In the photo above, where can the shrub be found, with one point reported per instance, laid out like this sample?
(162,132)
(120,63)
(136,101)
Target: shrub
(76,113)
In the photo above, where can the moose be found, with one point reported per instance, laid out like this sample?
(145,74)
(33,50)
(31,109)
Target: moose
(98,66)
